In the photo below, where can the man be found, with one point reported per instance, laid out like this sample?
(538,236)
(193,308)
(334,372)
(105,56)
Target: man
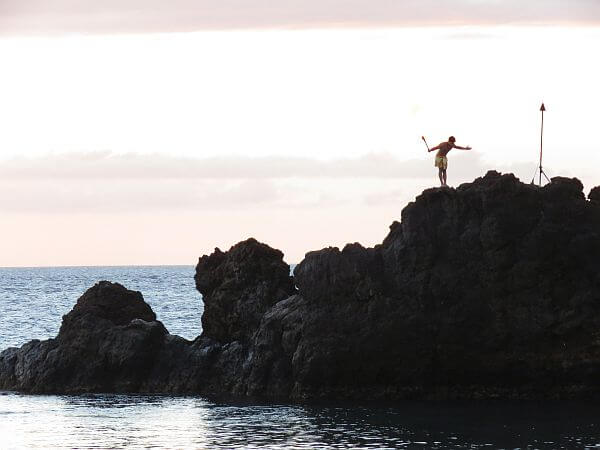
(441,161)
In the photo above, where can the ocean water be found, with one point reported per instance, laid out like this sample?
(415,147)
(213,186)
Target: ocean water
(32,302)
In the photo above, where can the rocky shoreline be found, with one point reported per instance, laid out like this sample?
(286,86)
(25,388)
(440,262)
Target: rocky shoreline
(490,290)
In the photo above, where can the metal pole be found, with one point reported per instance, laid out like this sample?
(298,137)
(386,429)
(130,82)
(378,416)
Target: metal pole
(542,109)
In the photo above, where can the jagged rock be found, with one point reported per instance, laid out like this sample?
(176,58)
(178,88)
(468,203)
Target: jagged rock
(594,195)
(565,187)
(238,287)
(331,275)
(490,290)
(107,343)
(467,297)
(108,301)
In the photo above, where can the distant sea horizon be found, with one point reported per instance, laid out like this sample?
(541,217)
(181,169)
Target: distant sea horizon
(61,266)
(66,266)
(34,299)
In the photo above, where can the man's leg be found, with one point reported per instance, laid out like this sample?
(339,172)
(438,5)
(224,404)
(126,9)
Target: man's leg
(441,175)
(445,175)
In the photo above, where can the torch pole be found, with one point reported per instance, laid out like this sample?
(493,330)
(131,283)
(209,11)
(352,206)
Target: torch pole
(542,109)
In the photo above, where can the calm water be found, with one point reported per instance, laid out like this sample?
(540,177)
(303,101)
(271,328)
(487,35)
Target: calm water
(32,302)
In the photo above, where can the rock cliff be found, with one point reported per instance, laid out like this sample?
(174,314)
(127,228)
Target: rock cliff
(490,290)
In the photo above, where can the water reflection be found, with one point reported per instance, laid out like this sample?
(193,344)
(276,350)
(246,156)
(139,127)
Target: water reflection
(119,421)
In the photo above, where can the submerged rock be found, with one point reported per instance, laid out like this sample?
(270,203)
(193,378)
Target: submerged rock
(490,290)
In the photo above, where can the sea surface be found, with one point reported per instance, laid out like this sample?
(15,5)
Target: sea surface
(32,302)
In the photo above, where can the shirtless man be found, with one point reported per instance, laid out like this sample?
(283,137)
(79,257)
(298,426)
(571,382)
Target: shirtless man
(441,161)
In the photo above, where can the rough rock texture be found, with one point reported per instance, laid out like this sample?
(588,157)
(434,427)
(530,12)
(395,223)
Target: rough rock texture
(490,290)
(258,277)
(594,195)
(105,344)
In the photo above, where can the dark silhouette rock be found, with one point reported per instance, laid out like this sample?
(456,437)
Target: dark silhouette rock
(331,275)
(238,287)
(489,290)
(108,301)
(107,343)
(467,297)
(594,195)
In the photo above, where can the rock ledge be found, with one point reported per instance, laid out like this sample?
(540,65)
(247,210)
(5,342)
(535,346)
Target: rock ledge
(490,290)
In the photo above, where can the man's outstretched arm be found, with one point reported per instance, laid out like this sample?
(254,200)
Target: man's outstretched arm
(437,147)
(462,148)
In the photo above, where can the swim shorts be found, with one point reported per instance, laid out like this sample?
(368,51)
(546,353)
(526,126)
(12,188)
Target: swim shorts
(441,162)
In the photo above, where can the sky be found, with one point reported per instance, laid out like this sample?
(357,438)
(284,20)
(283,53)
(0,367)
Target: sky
(150,132)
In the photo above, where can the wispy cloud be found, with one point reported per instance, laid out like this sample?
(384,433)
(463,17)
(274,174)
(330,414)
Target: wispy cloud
(382,197)
(105,165)
(119,196)
(129,16)
(103,182)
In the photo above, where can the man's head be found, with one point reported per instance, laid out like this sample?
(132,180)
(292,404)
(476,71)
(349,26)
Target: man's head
(452,139)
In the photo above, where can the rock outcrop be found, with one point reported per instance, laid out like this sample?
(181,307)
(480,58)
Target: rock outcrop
(490,290)
(594,195)
(256,275)
(107,343)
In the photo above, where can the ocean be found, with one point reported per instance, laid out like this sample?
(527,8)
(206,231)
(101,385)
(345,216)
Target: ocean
(33,300)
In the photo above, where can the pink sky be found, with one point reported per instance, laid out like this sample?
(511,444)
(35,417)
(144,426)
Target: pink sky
(124,144)
(109,209)
(133,16)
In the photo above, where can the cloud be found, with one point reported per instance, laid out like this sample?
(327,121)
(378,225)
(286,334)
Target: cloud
(470,36)
(133,16)
(120,196)
(103,182)
(389,197)
(105,165)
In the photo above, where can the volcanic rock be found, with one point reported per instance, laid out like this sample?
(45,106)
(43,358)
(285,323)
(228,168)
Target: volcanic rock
(489,290)
(107,343)
(238,287)
(594,195)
